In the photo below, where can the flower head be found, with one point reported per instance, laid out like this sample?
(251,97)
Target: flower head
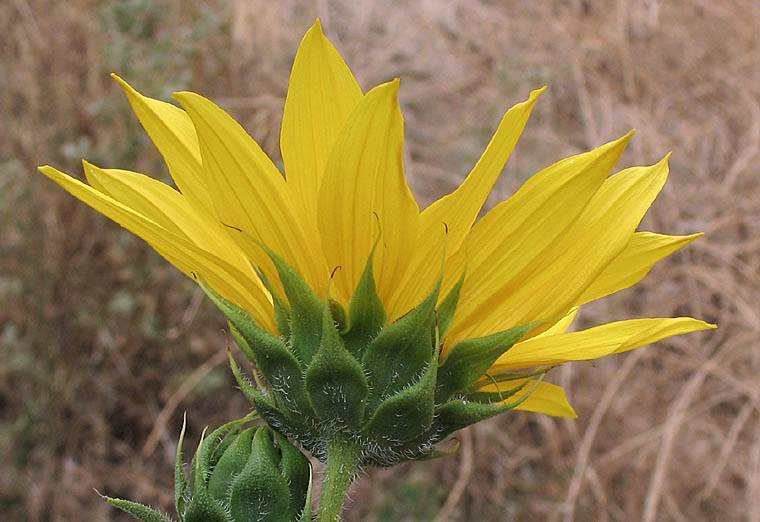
(356,306)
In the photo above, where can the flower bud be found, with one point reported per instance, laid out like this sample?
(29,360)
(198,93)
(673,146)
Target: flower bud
(238,474)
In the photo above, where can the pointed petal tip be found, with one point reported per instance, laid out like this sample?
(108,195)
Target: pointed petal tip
(536,93)
(664,161)
(179,95)
(128,89)
(621,142)
(317,26)
(697,325)
(188,97)
(390,88)
(45,169)
(570,412)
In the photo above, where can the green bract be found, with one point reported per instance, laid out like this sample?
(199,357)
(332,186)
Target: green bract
(237,475)
(382,389)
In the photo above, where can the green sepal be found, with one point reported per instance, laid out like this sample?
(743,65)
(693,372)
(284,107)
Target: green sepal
(180,481)
(305,310)
(260,493)
(205,508)
(231,463)
(366,313)
(249,392)
(306,511)
(338,315)
(503,377)
(448,307)
(296,471)
(401,351)
(492,397)
(139,511)
(240,318)
(211,448)
(281,312)
(460,413)
(469,360)
(266,350)
(268,411)
(408,413)
(281,369)
(437,453)
(335,380)
(247,351)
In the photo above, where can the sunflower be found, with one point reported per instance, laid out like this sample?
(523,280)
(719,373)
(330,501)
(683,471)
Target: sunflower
(342,213)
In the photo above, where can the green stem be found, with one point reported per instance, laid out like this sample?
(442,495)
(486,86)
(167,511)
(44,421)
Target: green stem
(342,463)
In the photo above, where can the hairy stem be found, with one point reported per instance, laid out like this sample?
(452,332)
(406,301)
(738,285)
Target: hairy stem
(342,463)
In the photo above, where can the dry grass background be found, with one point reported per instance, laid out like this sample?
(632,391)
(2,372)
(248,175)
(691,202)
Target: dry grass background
(104,345)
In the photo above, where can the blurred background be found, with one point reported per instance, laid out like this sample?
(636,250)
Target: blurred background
(103,345)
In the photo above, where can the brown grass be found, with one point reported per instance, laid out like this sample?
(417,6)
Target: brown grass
(101,340)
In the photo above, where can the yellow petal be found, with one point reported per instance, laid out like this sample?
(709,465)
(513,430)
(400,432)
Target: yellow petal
(575,260)
(250,194)
(363,187)
(563,324)
(505,247)
(169,209)
(321,95)
(180,252)
(546,398)
(459,209)
(593,343)
(173,134)
(633,263)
